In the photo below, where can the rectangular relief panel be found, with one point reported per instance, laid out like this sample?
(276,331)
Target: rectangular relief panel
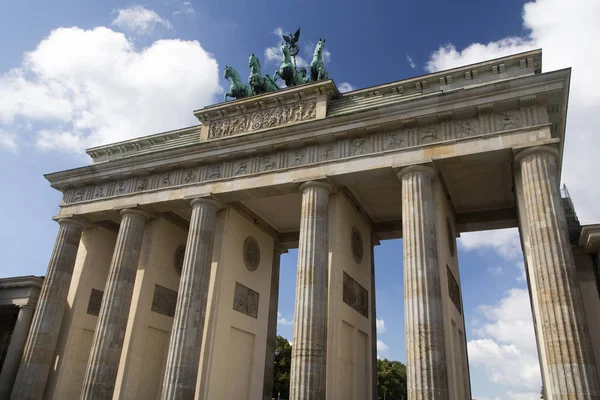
(453,290)
(245,300)
(164,301)
(95,302)
(356,296)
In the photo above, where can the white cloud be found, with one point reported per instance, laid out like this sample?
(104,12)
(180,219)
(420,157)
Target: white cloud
(8,141)
(505,242)
(523,396)
(521,267)
(381,328)
(505,346)
(183,7)
(564,30)
(81,88)
(345,87)
(140,20)
(410,61)
(283,321)
(495,270)
(381,347)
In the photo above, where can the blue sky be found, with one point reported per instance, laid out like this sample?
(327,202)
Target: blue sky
(74,74)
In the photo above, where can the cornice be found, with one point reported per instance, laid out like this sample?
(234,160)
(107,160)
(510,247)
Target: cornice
(22,281)
(420,110)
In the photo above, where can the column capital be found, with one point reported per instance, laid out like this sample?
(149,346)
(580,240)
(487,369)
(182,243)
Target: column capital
(135,211)
(280,249)
(316,184)
(73,220)
(205,200)
(421,168)
(537,150)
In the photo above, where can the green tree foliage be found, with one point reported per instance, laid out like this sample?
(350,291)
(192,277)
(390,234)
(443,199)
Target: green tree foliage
(283,366)
(391,380)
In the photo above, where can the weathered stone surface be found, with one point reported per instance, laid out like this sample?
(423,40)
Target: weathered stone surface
(188,327)
(15,351)
(567,345)
(425,346)
(272,326)
(45,328)
(101,373)
(309,353)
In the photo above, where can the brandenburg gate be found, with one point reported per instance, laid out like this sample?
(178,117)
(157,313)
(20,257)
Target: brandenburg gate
(164,278)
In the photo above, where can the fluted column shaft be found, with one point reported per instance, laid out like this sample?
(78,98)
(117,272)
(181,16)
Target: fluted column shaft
(183,359)
(103,364)
(309,351)
(15,351)
(272,326)
(567,345)
(47,319)
(425,347)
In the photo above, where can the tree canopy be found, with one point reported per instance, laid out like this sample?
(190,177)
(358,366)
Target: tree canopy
(283,366)
(391,375)
(391,380)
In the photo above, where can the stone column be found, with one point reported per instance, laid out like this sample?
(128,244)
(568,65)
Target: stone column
(15,351)
(47,319)
(425,347)
(309,351)
(272,324)
(570,360)
(103,364)
(185,344)
(373,323)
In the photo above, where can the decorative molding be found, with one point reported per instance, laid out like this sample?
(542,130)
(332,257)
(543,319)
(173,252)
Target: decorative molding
(270,118)
(407,137)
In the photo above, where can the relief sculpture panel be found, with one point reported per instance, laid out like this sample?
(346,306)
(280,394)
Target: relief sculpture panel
(355,295)
(245,300)
(271,118)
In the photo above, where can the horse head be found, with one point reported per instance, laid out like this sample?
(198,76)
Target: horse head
(320,46)
(253,63)
(227,72)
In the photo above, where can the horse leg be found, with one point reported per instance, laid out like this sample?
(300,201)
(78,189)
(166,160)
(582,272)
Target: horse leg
(228,95)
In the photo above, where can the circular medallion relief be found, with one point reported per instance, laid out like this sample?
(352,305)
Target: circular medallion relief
(451,241)
(357,245)
(251,253)
(178,259)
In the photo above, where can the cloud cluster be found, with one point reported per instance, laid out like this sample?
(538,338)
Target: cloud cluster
(564,31)
(505,346)
(140,20)
(505,242)
(282,321)
(81,88)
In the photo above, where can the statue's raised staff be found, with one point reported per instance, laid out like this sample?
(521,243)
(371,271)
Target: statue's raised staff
(258,83)
(317,66)
(237,90)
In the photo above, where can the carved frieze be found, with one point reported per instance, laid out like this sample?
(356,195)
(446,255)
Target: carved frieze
(486,125)
(270,118)
(245,300)
(355,295)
